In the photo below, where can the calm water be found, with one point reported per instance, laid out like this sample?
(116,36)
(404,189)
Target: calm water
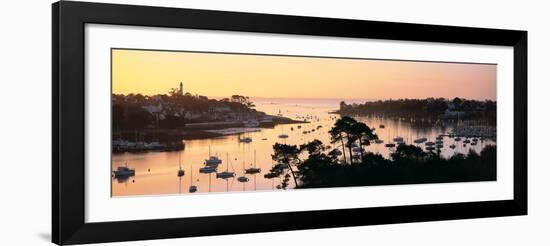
(156,172)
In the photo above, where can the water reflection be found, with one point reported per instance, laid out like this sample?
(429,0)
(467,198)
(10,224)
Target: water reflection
(156,171)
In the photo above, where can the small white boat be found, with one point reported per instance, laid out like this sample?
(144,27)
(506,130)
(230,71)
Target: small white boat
(283,135)
(420,140)
(253,170)
(192,188)
(245,140)
(213,161)
(270,175)
(181,172)
(398,139)
(124,171)
(208,169)
(242,179)
(226,174)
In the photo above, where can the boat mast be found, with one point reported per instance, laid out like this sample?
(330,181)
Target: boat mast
(179,186)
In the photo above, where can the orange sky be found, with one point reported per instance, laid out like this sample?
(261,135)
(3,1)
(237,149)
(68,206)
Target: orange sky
(222,75)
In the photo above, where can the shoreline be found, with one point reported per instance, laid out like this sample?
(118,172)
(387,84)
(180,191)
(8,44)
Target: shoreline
(201,130)
(216,130)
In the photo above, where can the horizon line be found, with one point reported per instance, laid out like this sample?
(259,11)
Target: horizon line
(317,98)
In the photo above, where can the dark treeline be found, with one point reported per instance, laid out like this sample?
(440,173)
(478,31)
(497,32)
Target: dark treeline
(173,110)
(408,164)
(423,108)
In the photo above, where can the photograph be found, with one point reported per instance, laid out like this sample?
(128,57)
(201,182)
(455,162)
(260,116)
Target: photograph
(193,122)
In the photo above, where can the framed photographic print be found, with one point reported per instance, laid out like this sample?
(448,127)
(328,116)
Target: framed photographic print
(175,122)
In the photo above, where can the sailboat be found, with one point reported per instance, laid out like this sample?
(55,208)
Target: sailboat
(243,179)
(420,140)
(226,174)
(192,188)
(399,140)
(389,145)
(124,171)
(210,164)
(212,160)
(282,135)
(245,140)
(253,170)
(181,172)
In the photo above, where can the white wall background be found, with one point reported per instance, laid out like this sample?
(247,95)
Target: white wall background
(25,77)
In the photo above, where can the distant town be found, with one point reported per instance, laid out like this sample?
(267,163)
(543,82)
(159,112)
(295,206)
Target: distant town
(429,108)
(161,121)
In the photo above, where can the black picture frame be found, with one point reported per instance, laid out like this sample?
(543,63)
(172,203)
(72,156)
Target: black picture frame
(68,107)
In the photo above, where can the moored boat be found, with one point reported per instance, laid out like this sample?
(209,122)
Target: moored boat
(212,161)
(208,169)
(124,171)
(253,170)
(226,174)
(245,140)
